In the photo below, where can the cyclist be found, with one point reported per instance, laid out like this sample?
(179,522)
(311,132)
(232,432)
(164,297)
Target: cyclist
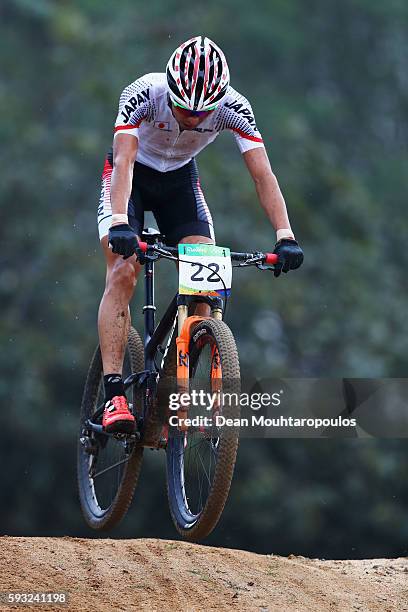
(164,121)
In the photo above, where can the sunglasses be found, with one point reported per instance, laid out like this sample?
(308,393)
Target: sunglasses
(186,112)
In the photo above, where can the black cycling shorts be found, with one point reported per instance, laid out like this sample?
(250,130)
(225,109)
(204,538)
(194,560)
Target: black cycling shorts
(175,198)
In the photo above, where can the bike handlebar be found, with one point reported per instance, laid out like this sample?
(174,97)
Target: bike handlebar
(143,246)
(246,259)
(271,258)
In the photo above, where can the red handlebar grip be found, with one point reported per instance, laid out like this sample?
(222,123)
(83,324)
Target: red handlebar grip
(143,246)
(271,258)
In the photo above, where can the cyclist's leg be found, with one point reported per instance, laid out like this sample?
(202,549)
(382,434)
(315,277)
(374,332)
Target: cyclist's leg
(121,277)
(114,314)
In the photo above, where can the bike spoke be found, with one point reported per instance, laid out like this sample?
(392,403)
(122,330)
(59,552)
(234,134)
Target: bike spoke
(111,468)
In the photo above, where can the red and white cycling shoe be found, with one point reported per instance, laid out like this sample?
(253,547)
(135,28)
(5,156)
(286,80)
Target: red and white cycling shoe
(117,417)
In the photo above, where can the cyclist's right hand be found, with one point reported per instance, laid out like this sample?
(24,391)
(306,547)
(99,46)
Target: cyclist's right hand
(123,240)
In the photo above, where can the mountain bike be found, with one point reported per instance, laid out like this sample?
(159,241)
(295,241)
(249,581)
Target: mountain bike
(184,351)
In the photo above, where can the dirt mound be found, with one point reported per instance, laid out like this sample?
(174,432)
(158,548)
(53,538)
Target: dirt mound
(158,574)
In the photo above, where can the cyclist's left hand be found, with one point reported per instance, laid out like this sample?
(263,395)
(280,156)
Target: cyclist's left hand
(290,256)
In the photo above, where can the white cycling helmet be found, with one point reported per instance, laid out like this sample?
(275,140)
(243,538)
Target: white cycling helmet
(197,74)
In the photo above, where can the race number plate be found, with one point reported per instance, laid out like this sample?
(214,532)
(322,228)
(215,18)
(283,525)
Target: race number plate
(204,269)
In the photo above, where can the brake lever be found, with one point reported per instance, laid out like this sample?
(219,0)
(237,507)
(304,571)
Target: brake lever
(162,251)
(256,260)
(263,267)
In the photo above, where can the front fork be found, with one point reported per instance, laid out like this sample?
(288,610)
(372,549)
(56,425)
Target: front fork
(182,311)
(185,326)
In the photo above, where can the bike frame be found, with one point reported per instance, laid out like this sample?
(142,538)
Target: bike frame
(177,311)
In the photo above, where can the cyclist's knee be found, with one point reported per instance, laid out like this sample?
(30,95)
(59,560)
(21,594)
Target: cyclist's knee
(122,276)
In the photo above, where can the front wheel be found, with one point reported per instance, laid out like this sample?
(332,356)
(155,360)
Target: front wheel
(108,467)
(200,461)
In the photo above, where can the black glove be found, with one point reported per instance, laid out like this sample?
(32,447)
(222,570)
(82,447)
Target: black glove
(290,256)
(123,240)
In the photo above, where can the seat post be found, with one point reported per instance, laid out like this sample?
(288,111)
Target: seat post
(149,235)
(149,308)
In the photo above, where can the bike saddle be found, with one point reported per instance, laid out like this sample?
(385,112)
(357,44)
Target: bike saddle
(152,235)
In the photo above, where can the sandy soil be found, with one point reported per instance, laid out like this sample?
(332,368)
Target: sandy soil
(158,575)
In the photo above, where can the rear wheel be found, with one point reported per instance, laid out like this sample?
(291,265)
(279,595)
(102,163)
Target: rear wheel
(200,461)
(108,467)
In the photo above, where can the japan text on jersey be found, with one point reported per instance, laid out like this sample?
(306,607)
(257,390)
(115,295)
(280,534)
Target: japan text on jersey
(145,112)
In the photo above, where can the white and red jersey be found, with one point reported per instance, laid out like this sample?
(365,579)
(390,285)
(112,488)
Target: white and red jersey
(145,112)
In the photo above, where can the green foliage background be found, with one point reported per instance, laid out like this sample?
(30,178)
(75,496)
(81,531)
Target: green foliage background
(329,86)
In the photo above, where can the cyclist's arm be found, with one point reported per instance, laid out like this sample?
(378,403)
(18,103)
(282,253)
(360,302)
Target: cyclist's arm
(133,109)
(267,188)
(124,155)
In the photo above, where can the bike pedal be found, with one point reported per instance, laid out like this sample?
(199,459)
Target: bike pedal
(132,438)
(120,436)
